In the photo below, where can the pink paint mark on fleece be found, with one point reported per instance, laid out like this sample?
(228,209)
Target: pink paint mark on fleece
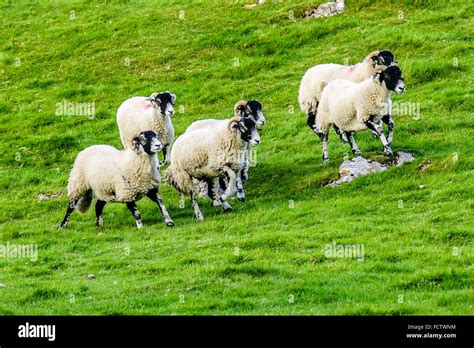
(350,69)
(147,105)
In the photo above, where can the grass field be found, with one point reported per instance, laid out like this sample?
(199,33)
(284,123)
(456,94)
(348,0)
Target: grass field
(414,222)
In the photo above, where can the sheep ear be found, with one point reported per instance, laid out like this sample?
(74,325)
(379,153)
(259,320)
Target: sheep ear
(173,97)
(135,143)
(142,139)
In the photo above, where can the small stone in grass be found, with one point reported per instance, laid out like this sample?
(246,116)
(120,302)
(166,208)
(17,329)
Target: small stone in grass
(2,286)
(91,276)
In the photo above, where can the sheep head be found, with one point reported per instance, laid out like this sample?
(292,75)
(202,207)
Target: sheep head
(163,101)
(241,107)
(384,57)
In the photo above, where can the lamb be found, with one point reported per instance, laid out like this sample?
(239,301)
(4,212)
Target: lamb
(154,113)
(116,176)
(353,107)
(317,77)
(208,154)
(243,108)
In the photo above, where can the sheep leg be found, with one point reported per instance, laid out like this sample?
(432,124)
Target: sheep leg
(311,122)
(166,154)
(388,109)
(155,197)
(242,175)
(210,188)
(136,214)
(214,186)
(99,208)
(387,119)
(222,186)
(374,133)
(194,204)
(379,130)
(240,188)
(354,148)
(324,138)
(70,208)
(243,172)
(218,199)
(232,183)
(341,133)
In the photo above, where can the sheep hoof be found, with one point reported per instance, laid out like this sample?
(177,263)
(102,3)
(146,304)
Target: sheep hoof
(61,226)
(216,202)
(325,161)
(388,152)
(226,207)
(375,135)
(170,223)
(199,217)
(241,196)
(357,153)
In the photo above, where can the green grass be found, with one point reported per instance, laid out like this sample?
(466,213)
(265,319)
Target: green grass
(267,257)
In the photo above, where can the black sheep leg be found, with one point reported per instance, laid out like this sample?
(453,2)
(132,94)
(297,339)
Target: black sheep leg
(70,208)
(155,197)
(99,208)
(136,214)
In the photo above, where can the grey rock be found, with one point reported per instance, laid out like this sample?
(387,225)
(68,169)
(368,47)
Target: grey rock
(353,168)
(326,10)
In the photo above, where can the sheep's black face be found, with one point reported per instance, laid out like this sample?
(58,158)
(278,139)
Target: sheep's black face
(392,76)
(248,130)
(165,102)
(256,110)
(386,58)
(148,141)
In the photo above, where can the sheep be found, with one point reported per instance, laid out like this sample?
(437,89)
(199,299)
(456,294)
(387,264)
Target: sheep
(317,77)
(208,154)
(116,176)
(154,113)
(353,107)
(243,108)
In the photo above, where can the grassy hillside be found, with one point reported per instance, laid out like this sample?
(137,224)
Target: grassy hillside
(414,222)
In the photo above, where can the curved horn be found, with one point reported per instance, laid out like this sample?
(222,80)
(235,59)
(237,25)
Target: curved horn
(373,54)
(380,68)
(152,96)
(239,104)
(232,120)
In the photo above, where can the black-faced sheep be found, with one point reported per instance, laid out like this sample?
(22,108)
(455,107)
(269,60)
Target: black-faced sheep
(353,107)
(211,153)
(116,176)
(154,113)
(243,108)
(317,77)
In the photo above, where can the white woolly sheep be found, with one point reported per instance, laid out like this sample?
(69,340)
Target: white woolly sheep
(116,176)
(210,153)
(317,77)
(353,107)
(154,113)
(243,108)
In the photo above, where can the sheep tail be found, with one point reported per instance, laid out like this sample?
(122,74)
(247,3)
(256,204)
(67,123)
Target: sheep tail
(84,202)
